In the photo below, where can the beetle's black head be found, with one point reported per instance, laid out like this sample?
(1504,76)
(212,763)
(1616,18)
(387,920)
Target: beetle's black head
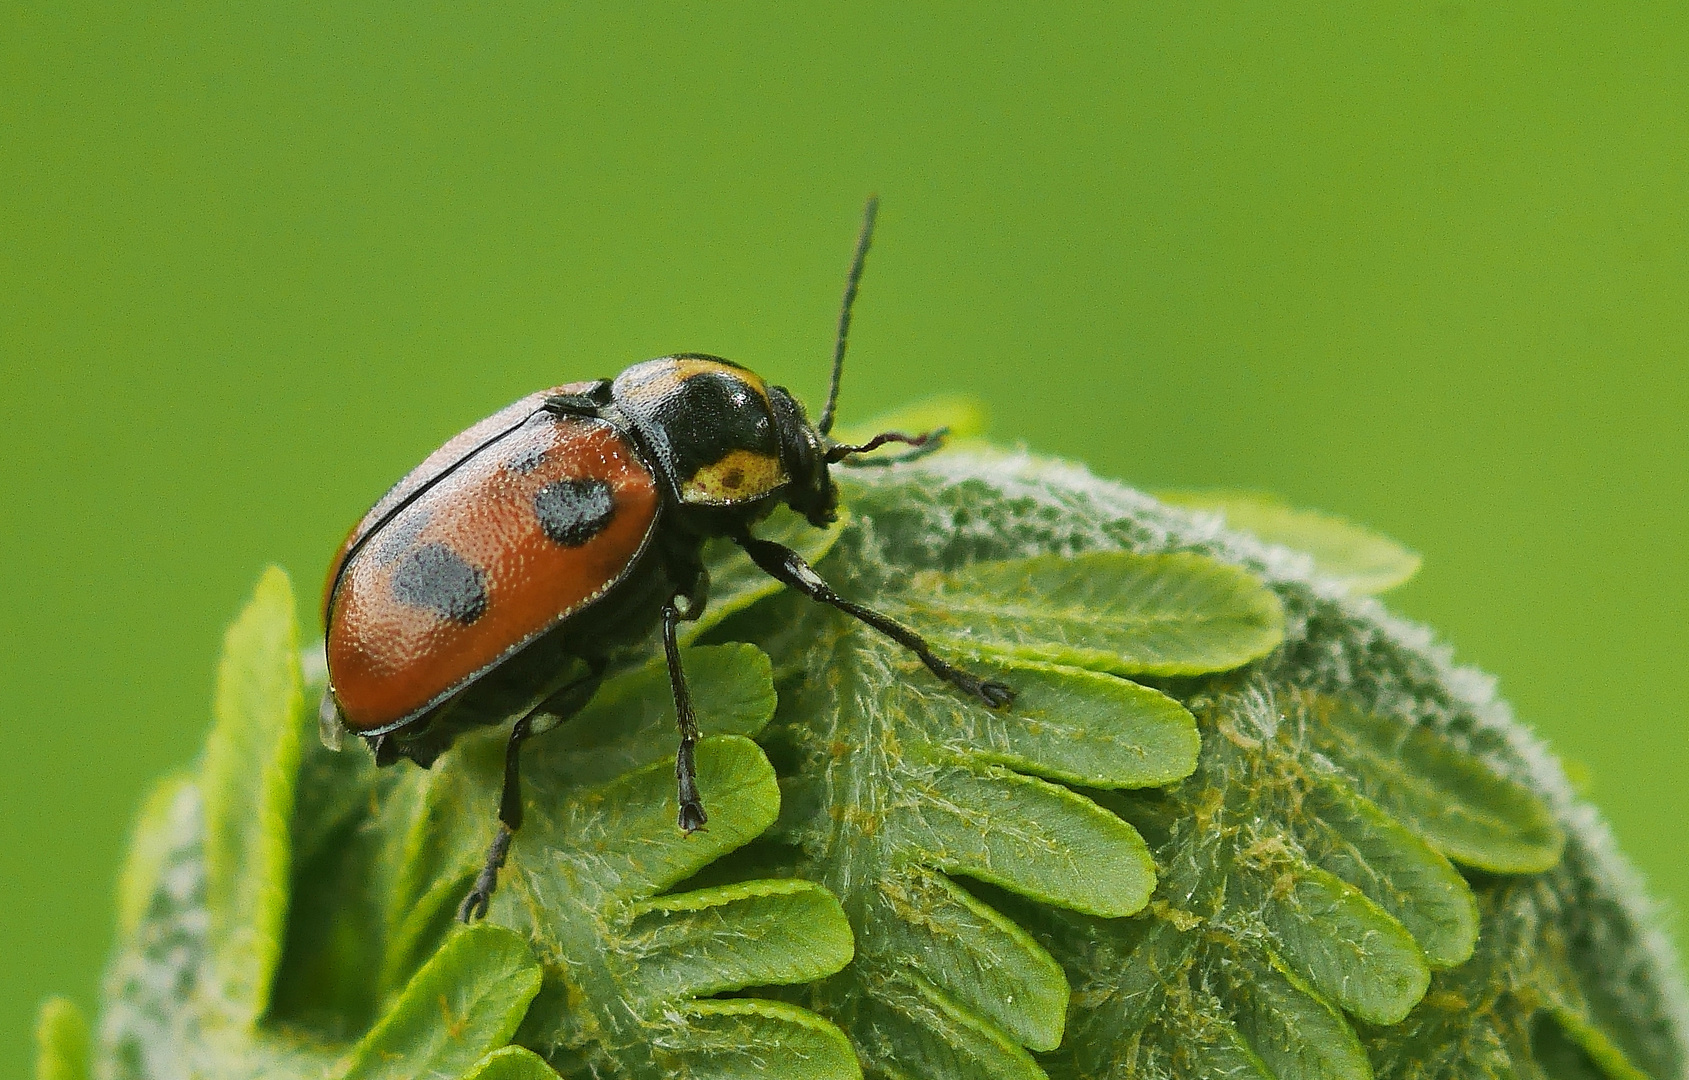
(803,449)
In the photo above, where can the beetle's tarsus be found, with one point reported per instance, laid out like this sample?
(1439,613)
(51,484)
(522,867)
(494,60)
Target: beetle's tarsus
(691,817)
(997,695)
(993,693)
(474,905)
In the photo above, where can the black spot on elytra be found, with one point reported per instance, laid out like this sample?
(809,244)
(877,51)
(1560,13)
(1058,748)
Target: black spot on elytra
(435,577)
(397,536)
(574,511)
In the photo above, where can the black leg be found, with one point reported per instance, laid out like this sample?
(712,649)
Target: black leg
(787,566)
(692,816)
(474,905)
(563,704)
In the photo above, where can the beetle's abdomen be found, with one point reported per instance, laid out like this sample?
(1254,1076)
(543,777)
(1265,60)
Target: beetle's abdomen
(515,537)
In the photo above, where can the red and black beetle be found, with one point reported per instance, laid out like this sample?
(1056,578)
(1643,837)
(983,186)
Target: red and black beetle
(495,580)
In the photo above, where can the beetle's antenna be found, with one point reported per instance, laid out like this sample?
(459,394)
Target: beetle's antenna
(855,279)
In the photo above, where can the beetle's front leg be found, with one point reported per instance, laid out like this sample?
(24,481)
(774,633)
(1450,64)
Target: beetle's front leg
(787,566)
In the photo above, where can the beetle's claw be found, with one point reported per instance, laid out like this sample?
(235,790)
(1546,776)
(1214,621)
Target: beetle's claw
(474,905)
(692,816)
(995,694)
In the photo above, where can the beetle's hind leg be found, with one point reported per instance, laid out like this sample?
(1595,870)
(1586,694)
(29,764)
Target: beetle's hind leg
(563,704)
(474,905)
(787,566)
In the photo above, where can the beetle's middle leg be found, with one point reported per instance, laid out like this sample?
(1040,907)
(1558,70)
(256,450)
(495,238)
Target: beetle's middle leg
(691,817)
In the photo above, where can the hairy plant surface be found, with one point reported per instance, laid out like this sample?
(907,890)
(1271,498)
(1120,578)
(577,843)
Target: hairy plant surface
(1238,822)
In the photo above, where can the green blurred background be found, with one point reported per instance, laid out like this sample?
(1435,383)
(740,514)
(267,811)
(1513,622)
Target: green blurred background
(1425,265)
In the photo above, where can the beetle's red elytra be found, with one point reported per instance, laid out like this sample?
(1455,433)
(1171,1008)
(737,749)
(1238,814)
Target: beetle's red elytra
(494,581)
(531,529)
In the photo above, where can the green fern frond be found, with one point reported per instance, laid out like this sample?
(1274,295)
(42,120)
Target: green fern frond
(1308,916)
(1239,822)
(896,785)
(1359,560)
(363,931)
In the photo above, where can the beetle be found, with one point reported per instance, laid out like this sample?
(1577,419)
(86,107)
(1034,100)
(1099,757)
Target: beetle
(499,576)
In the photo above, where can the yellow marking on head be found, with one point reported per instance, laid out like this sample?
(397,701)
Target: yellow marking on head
(741,476)
(658,378)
